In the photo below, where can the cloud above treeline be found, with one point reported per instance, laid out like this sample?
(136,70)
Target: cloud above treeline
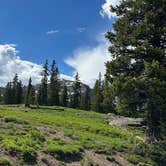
(105,11)
(89,61)
(11,63)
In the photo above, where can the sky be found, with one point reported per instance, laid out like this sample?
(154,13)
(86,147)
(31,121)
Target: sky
(71,32)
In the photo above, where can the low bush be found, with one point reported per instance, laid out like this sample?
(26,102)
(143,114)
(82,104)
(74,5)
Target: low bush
(15,120)
(28,155)
(157,153)
(5,162)
(64,152)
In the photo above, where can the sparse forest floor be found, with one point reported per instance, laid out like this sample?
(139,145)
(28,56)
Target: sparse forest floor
(48,137)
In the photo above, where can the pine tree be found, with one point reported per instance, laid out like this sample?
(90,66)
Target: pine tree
(97,98)
(85,100)
(76,92)
(28,93)
(7,94)
(43,89)
(138,69)
(19,93)
(64,97)
(108,103)
(54,86)
(14,91)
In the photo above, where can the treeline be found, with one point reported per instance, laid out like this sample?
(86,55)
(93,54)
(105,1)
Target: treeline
(51,91)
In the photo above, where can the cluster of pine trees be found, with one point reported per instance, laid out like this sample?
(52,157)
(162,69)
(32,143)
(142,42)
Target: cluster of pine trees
(102,99)
(51,91)
(14,91)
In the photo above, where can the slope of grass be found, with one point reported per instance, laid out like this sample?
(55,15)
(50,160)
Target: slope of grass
(65,135)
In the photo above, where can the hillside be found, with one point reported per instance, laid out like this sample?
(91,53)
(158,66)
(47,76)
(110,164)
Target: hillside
(53,136)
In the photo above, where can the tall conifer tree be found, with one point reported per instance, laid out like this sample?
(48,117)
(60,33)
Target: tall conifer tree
(43,89)
(28,93)
(85,99)
(138,69)
(64,96)
(54,86)
(97,98)
(76,97)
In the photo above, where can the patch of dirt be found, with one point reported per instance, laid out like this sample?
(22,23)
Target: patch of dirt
(44,159)
(13,159)
(97,159)
(50,133)
(120,159)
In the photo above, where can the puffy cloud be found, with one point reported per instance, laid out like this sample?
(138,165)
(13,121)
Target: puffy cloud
(106,8)
(88,62)
(10,64)
(52,32)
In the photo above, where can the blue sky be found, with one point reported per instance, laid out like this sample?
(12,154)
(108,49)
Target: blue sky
(66,31)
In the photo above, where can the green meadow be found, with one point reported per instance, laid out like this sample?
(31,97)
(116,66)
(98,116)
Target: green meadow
(51,135)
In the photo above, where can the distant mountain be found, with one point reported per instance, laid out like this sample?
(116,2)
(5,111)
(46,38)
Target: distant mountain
(69,85)
(63,82)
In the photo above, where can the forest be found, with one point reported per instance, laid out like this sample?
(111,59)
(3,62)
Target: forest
(53,124)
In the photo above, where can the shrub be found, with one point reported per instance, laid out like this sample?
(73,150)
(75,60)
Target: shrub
(5,162)
(10,146)
(35,135)
(138,160)
(28,155)
(158,153)
(65,152)
(15,120)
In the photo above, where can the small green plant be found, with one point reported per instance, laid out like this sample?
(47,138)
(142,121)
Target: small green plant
(136,159)
(5,162)
(28,155)
(10,145)
(15,120)
(64,152)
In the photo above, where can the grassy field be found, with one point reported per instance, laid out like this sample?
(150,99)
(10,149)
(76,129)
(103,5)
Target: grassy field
(48,136)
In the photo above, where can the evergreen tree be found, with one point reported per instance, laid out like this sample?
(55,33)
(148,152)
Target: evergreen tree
(54,86)
(28,94)
(64,97)
(85,100)
(19,93)
(43,89)
(7,94)
(138,69)
(97,98)
(13,91)
(108,103)
(76,92)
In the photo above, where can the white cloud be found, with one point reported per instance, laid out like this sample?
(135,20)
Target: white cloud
(81,29)
(10,64)
(106,8)
(88,62)
(52,32)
